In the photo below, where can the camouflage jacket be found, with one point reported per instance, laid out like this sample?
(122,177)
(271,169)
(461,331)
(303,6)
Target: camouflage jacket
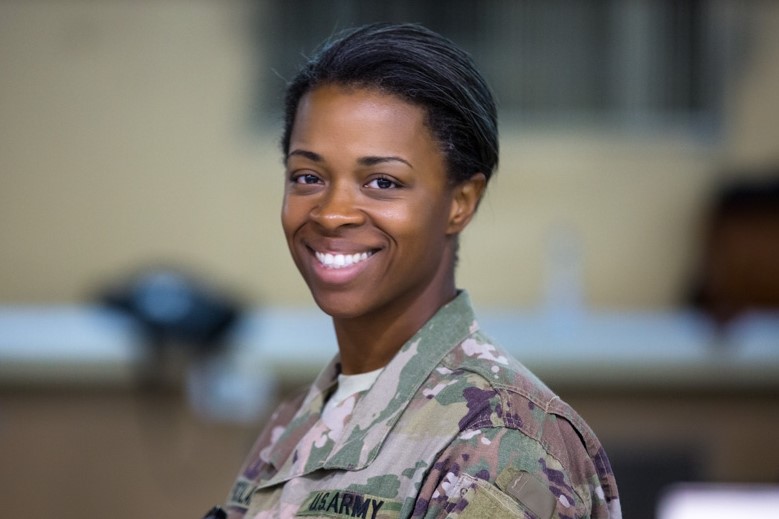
(453,427)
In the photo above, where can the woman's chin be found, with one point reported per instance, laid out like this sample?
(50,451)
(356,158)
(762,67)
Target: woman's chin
(339,308)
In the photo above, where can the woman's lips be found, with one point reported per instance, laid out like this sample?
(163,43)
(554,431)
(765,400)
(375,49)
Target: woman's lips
(340,268)
(337,260)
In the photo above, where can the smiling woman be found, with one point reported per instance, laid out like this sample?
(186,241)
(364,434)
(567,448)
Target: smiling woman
(366,179)
(390,140)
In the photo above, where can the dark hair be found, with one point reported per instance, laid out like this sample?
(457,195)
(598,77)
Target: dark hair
(420,67)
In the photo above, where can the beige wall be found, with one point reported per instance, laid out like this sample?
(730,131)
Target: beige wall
(125,139)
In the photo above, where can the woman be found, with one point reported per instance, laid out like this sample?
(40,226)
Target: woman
(390,139)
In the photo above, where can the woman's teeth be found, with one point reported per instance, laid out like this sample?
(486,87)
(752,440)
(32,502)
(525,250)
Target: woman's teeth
(338,261)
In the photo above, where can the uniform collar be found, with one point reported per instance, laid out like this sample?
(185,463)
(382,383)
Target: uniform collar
(376,413)
(308,413)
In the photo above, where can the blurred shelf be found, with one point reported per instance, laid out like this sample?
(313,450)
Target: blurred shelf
(83,345)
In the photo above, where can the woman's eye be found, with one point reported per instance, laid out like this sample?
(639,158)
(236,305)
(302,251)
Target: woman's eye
(306,178)
(382,183)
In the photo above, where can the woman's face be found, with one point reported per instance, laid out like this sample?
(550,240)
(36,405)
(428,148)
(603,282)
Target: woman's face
(368,211)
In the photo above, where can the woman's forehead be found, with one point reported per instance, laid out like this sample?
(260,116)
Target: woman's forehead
(334,113)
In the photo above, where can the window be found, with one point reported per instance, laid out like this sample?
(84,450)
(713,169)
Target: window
(639,63)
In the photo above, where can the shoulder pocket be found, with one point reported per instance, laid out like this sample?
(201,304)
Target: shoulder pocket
(530,492)
(476,499)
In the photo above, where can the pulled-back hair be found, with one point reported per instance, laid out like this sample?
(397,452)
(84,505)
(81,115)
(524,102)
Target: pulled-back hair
(421,67)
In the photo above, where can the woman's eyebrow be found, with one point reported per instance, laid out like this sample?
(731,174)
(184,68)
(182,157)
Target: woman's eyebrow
(370,160)
(310,155)
(373,160)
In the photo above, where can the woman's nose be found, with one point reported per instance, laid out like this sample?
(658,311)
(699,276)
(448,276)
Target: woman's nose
(338,207)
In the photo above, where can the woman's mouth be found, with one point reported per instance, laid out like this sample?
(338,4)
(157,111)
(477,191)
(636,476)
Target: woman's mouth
(332,260)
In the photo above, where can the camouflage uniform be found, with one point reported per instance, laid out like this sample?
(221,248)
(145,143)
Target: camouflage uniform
(453,427)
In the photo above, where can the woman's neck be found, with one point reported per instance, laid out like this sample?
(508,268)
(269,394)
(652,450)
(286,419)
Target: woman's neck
(369,342)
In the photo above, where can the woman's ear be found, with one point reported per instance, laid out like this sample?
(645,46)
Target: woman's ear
(465,200)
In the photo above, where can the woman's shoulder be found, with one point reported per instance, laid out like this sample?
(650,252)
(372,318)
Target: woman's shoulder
(511,425)
(496,368)
(497,391)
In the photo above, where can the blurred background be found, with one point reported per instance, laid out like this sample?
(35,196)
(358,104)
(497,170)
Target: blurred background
(627,251)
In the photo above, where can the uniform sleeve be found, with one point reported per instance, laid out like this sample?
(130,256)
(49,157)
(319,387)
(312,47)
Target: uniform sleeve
(501,472)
